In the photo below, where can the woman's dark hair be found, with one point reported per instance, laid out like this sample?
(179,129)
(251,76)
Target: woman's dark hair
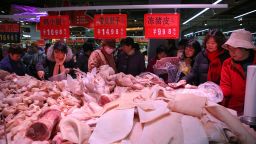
(14,49)
(194,44)
(161,49)
(61,46)
(182,43)
(218,36)
(87,47)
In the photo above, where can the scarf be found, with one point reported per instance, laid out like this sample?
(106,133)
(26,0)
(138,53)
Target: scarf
(109,59)
(59,67)
(214,66)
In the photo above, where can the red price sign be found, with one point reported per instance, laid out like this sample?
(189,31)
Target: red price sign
(10,28)
(54,27)
(109,26)
(80,19)
(162,26)
(9,33)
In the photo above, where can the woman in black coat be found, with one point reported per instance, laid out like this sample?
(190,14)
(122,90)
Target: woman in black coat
(59,60)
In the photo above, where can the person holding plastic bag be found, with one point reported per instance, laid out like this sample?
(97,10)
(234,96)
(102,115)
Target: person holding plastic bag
(233,74)
(59,61)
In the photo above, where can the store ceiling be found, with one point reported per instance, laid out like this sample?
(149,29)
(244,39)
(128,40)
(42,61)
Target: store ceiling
(214,18)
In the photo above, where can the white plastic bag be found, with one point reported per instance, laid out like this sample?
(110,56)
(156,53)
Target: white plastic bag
(208,89)
(212,91)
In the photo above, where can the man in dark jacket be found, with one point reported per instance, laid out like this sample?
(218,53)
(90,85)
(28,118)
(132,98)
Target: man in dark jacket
(83,57)
(12,62)
(32,57)
(130,61)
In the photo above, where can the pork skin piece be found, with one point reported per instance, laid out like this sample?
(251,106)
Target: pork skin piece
(42,128)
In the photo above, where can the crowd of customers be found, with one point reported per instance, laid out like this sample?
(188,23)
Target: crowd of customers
(219,60)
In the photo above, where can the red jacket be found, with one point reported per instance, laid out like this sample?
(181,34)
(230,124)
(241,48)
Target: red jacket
(232,83)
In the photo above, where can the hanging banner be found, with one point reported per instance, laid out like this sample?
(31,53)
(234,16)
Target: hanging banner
(54,27)
(110,26)
(81,19)
(9,33)
(162,26)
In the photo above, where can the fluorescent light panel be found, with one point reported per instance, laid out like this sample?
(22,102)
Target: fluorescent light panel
(244,14)
(196,32)
(202,31)
(201,12)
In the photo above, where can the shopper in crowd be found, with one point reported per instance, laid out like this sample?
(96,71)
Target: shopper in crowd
(32,57)
(130,61)
(208,63)
(172,49)
(12,62)
(59,60)
(103,56)
(46,47)
(161,52)
(83,57)
(119,49)
(181,48)
(192,48)
(233,74)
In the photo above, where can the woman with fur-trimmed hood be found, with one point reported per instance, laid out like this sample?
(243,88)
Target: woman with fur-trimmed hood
(59,60)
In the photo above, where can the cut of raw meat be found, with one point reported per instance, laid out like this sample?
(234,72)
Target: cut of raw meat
(163,131)
(42,129)
(113,126)
(160,109)
(193,131)
(189,104)
(74,130)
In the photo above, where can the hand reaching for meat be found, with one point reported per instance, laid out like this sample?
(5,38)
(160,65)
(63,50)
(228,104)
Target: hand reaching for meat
(179,84)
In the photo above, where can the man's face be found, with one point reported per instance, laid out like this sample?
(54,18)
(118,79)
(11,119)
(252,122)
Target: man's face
(15,57)
(126,48)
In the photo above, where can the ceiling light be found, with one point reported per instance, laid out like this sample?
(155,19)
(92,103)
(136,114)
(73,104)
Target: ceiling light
(201,12)
(201,31)
(195,32)
(188,34)
(26,36)
(244,14)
